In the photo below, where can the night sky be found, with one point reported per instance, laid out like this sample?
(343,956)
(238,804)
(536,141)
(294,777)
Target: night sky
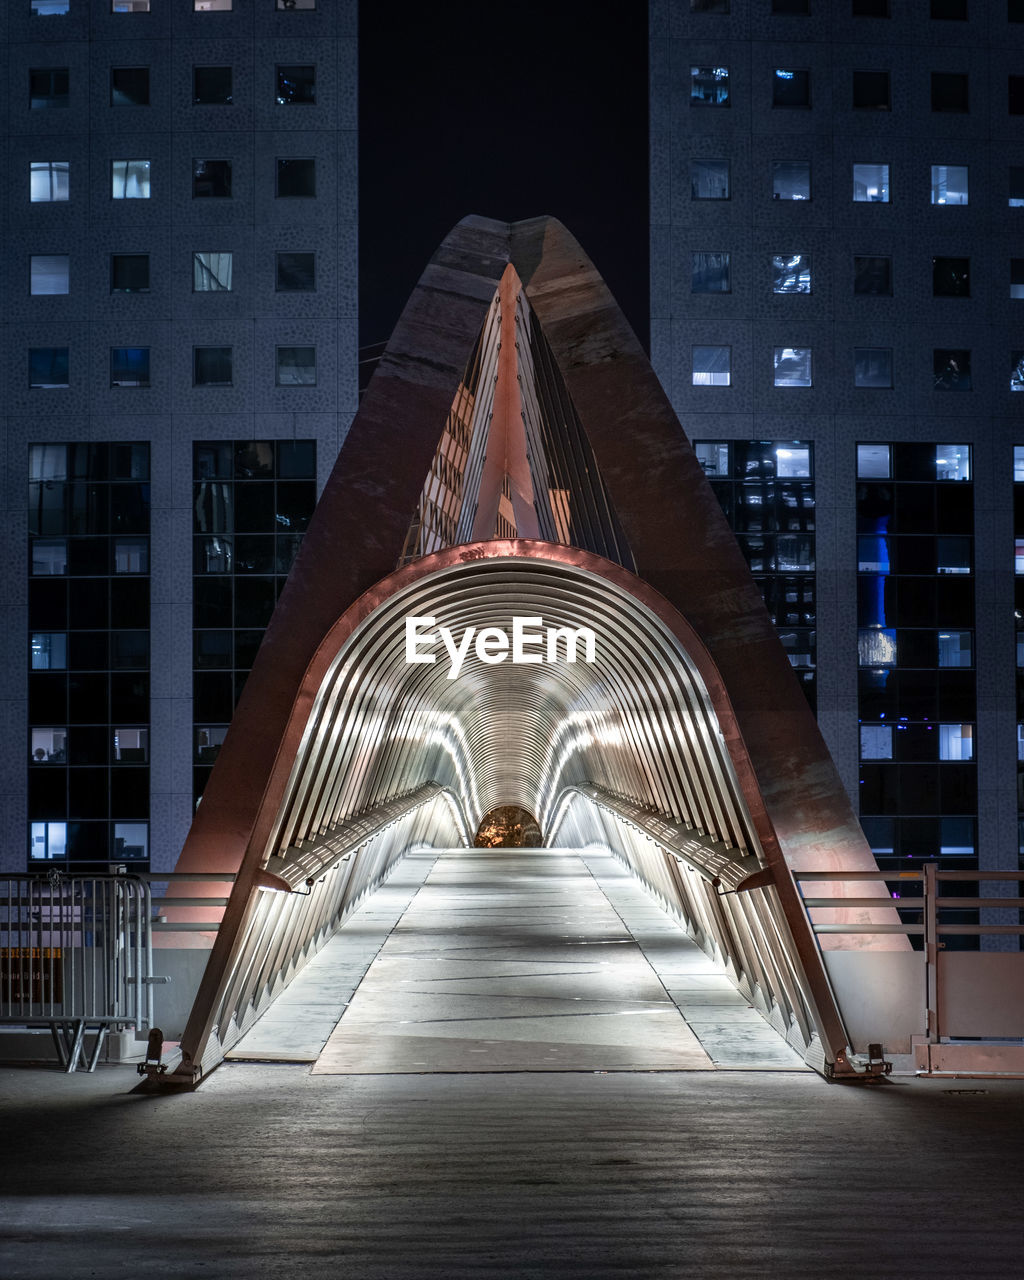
(505,110)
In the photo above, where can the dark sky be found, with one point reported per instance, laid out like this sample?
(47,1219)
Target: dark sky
(505,110)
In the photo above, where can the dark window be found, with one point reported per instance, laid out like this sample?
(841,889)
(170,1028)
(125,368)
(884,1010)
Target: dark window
(296,366)
(296,177)
(872,367)
(870,8)
(295,5)
(791,88)
(48,87)
(1017,277)
(129,86)
(211,87)
(791,6)
(211,178)
(296,272)
(949,91)
(871,91)
(1015,187)
(791,179)
(872,277)
(211,366)
(952,369)
(1015,10)
(709,179)
(129,273)
(953,9)
(129,366)
(709,272)
(951,277)
(709,86)
(296,86)
(1015,95)
(48,367)
(709,6)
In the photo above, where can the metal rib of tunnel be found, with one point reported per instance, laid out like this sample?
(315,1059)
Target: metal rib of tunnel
(516,457)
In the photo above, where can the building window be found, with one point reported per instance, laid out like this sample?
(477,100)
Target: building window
(1017,370)
(709,179)
(956,741)
(713,456)
(791,180)
(792,366)
(796,8)
(1015,187)
(212,272)
(129,273)
(955,649)
(296,177)
(872,367)
(47,367)
(48,273)
(949,91)
(131,555)
(49,557)
(874,461)
(1015,13)
(952,462)
(1015,95)
(129,86)
(296,366)
(791,273)
(294,5)
(48,745)
(49,650)
(211,366)
(871,183)
(48,8)
(1017,277)
(296,86)
(48,181)
(871,91)
(791,88)
(872,277)
(952,369)
(952,554)
(129,6)
(876,742)
(129,366)
(212,87)
(130,746)
(876,647)
(296,272)
(711,366)
(212,6)
(49,841)
(709,86)
(709,6)
(48,87)
(129,179)
(949,184)
(951,277)
(954,10)
(211,179)
(709,272)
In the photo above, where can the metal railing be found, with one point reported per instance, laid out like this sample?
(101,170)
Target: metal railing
(76,956)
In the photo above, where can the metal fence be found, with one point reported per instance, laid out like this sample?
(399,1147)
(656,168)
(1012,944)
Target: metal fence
(76,957)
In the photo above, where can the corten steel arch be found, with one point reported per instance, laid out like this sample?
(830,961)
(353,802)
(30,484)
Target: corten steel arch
(678,537)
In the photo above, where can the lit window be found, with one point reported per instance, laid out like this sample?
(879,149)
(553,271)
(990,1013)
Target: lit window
(48,87)
(951,277)
(709,272)
(792,461)
(1018,555)
(212,272)
(953,554)
(711,366)
(296,4)
(871,91)
(876,742)
(709,86)
(49,557)
(296,272)
(954,649)
(47,462)
(131,555)
(876,647)
(131,841)
(48,181)
(1015,95)
(709,179)
(872,367)
(949,184)
(791,88)
(873,553)
(48,8)
(129,86)
(871,183)
(792,366)
(949,91)
(129,273)
(791,179)
(1017,277)
(1018,464)
(952,462)
(872,277)
(49,839)
(131,746)
(49,651)
(952,369)
(129,179)
(47,367)
(129,366)
(296,86)
(874,461)
(49,746)
(212,6)
(296,366)
(791,273)
(211,179)
(212,87)
(949,9)
(296,177)
(209,739)
(1015,187)
(129,6)
(211,366)
(713,457)
(1017,370)
(956,741)
(48,273)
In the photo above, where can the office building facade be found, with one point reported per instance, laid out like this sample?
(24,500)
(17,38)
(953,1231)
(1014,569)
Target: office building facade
(837,295)
(179,271)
